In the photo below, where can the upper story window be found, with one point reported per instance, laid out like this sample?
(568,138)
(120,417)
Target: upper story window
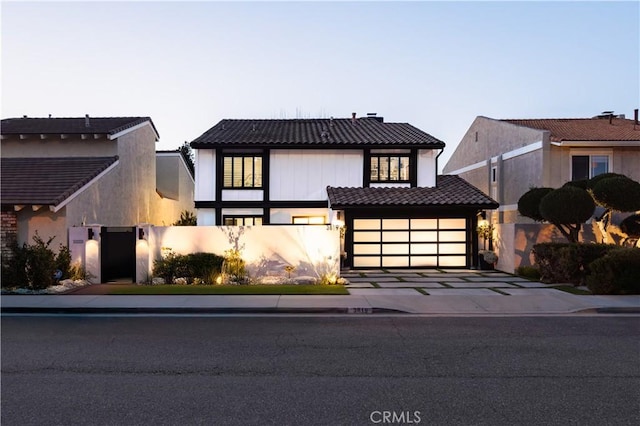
(242,171)
(389,168)
(588,166)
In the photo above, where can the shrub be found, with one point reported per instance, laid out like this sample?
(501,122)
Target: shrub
(205,266)
(34,265)
(63,261)
(618,272)
(530,272)
(567,262)
(234,267)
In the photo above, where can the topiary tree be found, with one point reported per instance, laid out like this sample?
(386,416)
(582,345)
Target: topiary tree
(615,193)
(529,203)
(567,208)
(631,226)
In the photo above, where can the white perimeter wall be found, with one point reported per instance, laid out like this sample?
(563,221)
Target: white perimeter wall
(303,175)
(313,250)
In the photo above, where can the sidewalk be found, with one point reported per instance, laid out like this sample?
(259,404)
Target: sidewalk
(452,292)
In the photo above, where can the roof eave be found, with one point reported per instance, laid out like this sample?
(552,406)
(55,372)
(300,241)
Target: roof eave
(209,145)
(574,143)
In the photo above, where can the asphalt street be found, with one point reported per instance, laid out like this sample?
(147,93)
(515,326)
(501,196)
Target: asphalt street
(296,370)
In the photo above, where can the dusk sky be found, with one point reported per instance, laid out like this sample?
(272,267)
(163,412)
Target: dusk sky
(436,65)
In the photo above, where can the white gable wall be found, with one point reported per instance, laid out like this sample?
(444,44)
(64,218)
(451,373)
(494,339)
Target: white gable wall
(427,167)
(303,175)
(205,174)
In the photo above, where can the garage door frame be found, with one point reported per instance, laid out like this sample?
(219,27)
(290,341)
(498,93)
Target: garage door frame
(354,245)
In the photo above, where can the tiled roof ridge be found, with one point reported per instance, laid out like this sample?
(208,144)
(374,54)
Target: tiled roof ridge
(314,132)
(123,123)
(564,119)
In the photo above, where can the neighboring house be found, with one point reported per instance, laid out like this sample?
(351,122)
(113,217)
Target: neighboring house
(378,179)
(64,172)
(505,158)
(175,184)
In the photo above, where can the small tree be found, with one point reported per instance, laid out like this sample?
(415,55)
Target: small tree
(529,203)
(187,218)
(615,193)
(567,208)
(187,154)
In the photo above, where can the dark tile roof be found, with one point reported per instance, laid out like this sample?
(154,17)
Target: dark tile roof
(450,191)
(584,129)
(314,132)
(98,125)
(47,181)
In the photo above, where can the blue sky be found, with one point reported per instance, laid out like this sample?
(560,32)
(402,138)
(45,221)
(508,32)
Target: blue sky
(436,65)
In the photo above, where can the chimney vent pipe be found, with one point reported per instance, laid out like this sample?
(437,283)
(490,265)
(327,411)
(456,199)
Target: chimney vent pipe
(635,116)
(87,122)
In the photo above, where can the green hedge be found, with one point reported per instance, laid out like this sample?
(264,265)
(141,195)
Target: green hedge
(618,272)
(567,262)
(205,266)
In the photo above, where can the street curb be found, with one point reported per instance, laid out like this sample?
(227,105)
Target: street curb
(619,310)
(36,310)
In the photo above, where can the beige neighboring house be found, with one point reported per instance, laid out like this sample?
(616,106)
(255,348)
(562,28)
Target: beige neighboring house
(64,172)
(505,158)
(175,184)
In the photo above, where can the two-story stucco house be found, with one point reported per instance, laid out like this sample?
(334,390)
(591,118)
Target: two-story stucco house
(379,179)
(63,172)
(505,158)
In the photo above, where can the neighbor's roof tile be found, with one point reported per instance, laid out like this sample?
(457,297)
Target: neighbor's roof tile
(451,190)
(584,129)
(47,181)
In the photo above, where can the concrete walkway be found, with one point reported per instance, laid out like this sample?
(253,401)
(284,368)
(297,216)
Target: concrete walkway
(454,292)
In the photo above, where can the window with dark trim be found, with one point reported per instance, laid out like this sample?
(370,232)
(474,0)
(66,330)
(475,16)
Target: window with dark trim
(242,220)
(242,171)
(588,166)
(390,168)
(308,220)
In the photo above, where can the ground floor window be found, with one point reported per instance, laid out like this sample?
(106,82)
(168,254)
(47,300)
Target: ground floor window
(242,220)
(308,220)
(588,166)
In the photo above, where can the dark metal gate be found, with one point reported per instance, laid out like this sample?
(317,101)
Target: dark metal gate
(118,253)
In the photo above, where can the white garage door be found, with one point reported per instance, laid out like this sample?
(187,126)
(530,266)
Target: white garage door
(392,243)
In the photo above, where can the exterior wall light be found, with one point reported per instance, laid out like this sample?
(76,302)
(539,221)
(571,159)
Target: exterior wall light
(90,233)
(140,234)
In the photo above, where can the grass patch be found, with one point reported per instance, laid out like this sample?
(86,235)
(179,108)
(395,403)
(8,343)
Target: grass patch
(375,284)
(571,289)
(497,290)
(230,289)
